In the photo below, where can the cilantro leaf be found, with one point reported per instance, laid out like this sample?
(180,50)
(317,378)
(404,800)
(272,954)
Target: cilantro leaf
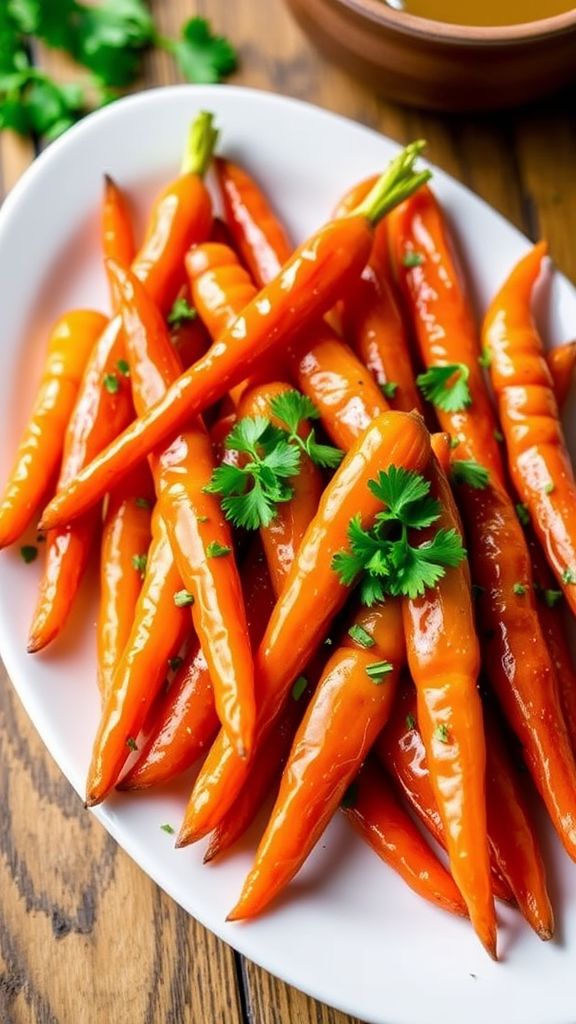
(110,37)
(216,550)
(467,471)
(446,386)
(324,455)
(201,55)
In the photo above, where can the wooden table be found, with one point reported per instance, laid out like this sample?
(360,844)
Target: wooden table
(85,936)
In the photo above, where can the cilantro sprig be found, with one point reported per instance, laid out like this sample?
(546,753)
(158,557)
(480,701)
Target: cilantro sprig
(446,386)
(383,560)
(252,491)
(108,39)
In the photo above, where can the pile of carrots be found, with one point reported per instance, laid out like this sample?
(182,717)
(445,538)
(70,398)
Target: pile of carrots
(336,528)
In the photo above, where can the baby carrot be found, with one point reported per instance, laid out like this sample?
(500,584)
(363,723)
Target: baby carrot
(125,543)
(40,449)
(185,721)
(348,709)
(181,216)
(103,407)
(444,661)
(401,752)
(116,225)
(377,815)
(309,284)
(538,459)
(161,620)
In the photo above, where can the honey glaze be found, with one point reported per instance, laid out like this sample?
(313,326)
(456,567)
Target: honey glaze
(483,12)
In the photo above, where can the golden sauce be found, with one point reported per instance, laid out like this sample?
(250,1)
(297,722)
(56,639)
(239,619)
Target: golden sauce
(483,12)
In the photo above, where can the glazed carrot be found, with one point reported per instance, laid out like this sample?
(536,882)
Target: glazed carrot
(125,543)
(521,670)
(377,815)
(158,630)
(103,407)
(311,596)
(39,451)
(200,536)
(372,320)
(260,238)
(308,285)
(554,629)
(538,459)
(116,225)
(562,361)
(439,309)
(265,773)
(444,660)
(185,721)
(181,216)
(348,709)
(401,752)
(322,366)
(511,830)
(513,833)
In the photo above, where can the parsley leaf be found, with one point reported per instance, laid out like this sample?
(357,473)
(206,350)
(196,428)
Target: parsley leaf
(111,383)
(523,513)
(201,55)
(467,471)
(183,598)
(292,408)
(442,733)
(181,312)
(250,492)
(410,721)
(407,496)
(552,597)
(216,550)
(389,388)
(140,562)
(382,558)
(411,258)
(168,828)
(446,386)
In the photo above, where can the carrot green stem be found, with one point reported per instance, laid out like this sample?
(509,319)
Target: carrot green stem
(396,184)
(202,139)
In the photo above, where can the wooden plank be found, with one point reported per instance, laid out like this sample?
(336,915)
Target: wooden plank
(81,926)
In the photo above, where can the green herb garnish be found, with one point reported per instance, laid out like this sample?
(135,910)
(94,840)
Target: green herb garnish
(382,559)
(111,383)
(361,636)
(523,513)
(139,562)
(181,312)
(299,687)
(378,671)
(446,386)
(411,258)
(442,733)
(183,598)
(467,471)
(216,550)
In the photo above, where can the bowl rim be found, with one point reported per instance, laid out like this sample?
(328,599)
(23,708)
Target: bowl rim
(448,32)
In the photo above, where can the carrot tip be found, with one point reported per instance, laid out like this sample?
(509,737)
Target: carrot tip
(35,644)
(211,852)
(545,933)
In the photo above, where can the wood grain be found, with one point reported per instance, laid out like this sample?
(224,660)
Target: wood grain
(85,937)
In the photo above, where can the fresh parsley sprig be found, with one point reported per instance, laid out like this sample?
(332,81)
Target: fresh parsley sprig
(382,559)
(292,408)
(271,456)
(109,40)
(251,492)
(446,386)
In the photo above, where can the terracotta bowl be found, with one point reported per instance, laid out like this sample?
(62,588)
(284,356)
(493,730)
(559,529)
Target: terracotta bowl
(443,67)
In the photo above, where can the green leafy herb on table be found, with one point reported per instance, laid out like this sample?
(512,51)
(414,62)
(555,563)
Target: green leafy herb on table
(108,40)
